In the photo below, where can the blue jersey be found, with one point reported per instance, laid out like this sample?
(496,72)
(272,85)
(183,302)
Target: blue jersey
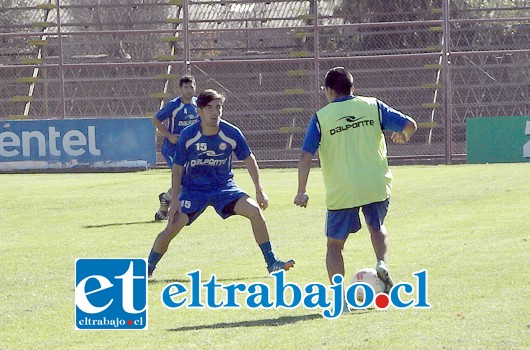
(180,114)
(390,118)
(207,160)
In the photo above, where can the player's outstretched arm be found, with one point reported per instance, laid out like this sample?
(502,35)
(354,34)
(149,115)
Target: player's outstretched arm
(253,170)
(304,166)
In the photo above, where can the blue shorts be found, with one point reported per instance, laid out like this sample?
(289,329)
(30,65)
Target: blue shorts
(340,223)
(168,151)
(223,200)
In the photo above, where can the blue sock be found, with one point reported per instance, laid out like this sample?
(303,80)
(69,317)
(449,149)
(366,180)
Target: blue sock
(154,258)
(266,249)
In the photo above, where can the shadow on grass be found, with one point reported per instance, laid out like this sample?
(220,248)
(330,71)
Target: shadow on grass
(280,321)
(182,280)
(122,224)
(270,322)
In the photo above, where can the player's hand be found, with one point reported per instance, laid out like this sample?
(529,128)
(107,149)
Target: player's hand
(399,138)
(301,200)
(173,138)
(262,199)
(174,208)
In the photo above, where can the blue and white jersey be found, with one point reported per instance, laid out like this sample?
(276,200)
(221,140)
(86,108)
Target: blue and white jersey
(180,114)
(207,160)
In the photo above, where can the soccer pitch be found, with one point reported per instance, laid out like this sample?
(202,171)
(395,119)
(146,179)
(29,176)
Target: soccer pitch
(467,225)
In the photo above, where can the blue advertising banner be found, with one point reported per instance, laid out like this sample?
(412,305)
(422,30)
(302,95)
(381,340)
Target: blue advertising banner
(77,143)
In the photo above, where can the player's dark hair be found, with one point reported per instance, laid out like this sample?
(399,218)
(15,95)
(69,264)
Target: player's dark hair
(208,96)
(186,79)
(340,80)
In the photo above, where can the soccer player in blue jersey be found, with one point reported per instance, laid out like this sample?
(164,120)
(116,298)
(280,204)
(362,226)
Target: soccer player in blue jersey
(348,132)
(202,176)
(178,114)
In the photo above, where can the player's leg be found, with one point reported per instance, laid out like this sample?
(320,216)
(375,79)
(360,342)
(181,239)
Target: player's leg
(248,208)
(339,225)
(192,206)
(379,237)
(164,238)
(232,200)
(164,198)
(374,215)
(334,258)
(335,264)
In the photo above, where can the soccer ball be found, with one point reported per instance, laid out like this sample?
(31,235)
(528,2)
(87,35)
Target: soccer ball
(368,276)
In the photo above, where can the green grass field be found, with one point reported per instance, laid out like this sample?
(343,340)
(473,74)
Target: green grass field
(468,225)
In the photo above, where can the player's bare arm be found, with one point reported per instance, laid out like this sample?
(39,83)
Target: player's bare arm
(253,170)
(162,128)
(304,166)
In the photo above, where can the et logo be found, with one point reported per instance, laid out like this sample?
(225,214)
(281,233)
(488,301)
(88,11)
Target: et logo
(111,294)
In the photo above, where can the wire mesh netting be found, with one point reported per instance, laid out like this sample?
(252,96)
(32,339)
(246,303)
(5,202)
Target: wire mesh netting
(439,61)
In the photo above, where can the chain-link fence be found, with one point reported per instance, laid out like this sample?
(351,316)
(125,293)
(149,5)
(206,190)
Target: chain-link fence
(439,61)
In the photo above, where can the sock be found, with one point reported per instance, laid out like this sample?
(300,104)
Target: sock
(154,258)
(167,196)
(382,263)
(266,249)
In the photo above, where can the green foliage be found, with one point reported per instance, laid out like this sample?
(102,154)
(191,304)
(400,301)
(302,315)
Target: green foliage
(403,37)
(396,37)
(467,225)
(374,11)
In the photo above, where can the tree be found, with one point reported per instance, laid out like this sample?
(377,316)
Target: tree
(393,37)
(119,15)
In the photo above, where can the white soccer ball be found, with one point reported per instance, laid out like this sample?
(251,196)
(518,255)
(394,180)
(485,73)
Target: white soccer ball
(368,276)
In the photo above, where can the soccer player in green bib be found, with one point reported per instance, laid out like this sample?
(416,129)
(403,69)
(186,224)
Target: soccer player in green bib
(348,132)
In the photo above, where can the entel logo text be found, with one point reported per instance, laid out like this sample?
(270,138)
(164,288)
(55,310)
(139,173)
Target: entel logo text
(74,143)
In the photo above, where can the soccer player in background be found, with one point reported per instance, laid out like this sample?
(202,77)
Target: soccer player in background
(202,176)
(179,113)
(348,132)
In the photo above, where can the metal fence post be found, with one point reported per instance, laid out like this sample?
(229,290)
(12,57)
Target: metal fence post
(185,32)
(447,101)
(316,48)
(61,67)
